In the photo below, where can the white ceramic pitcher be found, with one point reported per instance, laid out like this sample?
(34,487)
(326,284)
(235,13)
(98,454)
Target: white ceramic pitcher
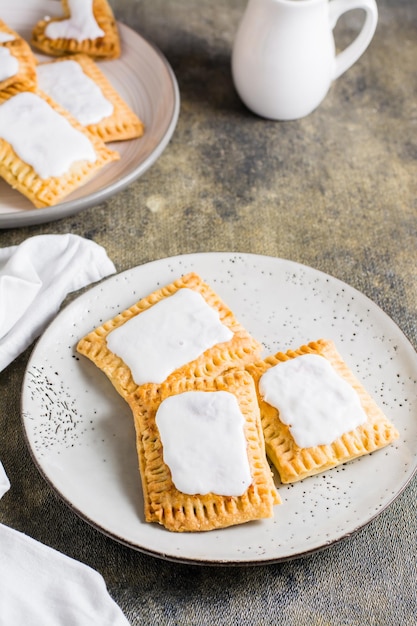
(284,59)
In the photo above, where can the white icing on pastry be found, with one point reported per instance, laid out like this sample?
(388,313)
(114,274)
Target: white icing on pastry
(67,84)
(81,24)
(6,37)
(315,402)
(42,137)
(204,445)
(171,333)
(9,65)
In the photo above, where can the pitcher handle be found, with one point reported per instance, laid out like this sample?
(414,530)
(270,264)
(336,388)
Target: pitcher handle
(346,58)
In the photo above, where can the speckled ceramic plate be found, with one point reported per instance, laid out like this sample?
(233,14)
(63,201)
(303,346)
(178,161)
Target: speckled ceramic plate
(145,80)
(81,434)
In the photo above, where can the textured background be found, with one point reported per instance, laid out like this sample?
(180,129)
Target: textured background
(336,191)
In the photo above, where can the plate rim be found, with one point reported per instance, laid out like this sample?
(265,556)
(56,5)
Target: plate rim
(29,217)
(226,562)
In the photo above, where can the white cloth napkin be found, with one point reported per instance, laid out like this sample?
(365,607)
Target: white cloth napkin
(35,277)
(40,586)
(4,482)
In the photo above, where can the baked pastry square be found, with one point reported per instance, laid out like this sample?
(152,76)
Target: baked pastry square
(120,124)
(88,26)
(190,512)
(294,462)
(14,49)
(47,190)
(235,352)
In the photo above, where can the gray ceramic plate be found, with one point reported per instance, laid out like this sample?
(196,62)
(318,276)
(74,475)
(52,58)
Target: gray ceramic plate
(144,79)
(81,435)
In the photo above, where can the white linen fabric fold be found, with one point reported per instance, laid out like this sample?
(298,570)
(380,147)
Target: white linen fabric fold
(4,482)
(35,277)
(40,586)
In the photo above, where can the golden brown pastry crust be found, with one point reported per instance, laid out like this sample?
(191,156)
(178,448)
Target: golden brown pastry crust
(294,463)
(106,47)
(123,123)
(25,78)
(50,191)
(180,512)
(241,349)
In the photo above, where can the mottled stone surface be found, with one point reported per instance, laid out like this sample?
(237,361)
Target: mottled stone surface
(337,191)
